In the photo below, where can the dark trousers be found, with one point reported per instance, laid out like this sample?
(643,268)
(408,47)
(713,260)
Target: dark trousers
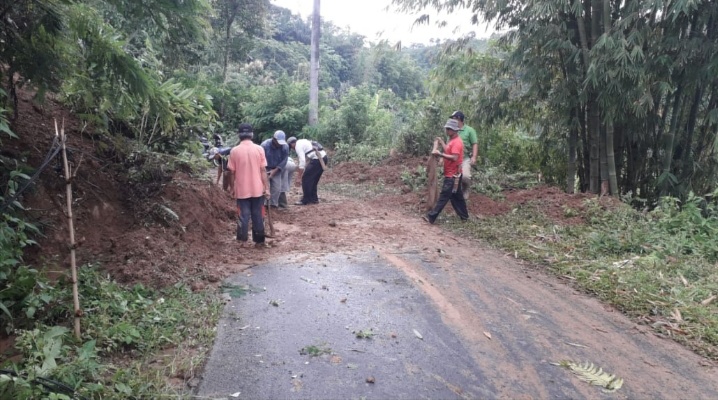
(250,208)
(310,181)
(446,195)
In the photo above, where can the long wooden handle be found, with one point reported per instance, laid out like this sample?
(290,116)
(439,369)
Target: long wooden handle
(436,147)
(269,220)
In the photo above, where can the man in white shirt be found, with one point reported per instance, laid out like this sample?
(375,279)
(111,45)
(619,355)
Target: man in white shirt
(309,170)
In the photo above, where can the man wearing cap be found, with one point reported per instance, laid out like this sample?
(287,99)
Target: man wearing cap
(310,169)
(471,151)
(453,154)
(276,151)
(251,186)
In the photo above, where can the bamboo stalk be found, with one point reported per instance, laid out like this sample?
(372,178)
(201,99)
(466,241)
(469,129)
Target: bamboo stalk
(71,228)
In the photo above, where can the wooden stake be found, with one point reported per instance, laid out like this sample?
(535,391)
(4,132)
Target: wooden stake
(432,188)
(71,228)
(269,219)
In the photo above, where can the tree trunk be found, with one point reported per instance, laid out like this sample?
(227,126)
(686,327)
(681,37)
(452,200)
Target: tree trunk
(611,159)
(585,179)
(571,167)
(232,10)
(594,137)
(669,137)
(687,157)
(592,110)
(610,148)
(314,68)
(603,162)
(702,143)
(594,127)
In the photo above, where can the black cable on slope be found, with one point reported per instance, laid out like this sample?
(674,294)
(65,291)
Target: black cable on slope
(51,154)
(48,384)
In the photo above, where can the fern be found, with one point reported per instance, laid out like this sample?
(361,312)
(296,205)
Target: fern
(588,372)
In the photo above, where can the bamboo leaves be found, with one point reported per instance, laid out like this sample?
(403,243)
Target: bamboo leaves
(590,373)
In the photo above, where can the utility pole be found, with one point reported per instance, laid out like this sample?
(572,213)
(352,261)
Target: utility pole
(314,68)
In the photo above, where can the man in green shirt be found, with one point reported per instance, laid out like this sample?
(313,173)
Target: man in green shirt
(471,151)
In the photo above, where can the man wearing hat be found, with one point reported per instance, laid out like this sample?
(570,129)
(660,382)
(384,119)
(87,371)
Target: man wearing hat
(251,186)
(453,155)
(276,151)
(471,151)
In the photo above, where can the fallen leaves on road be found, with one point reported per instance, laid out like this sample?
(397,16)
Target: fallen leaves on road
(487,334)
(417,334)
(364,334)
(314,350)
(307,280)
(590,373)
(577,345)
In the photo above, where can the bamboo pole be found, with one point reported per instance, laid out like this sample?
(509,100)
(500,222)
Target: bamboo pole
(71,228)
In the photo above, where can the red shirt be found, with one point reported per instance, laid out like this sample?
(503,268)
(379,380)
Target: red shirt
(455,146)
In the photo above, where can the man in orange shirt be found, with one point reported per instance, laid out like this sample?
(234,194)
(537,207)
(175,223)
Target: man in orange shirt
(251,186)
(453,156)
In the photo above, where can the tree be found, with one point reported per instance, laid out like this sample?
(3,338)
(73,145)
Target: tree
(248,16)
(31,44)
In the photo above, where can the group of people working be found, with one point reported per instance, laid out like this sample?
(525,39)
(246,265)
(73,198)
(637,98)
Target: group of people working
(264,173)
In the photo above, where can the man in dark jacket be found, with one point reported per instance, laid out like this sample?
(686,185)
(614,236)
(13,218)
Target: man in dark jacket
(276,151)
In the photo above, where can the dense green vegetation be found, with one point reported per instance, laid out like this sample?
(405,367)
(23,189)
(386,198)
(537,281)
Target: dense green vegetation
(622,95)
(595,95)
(160,334)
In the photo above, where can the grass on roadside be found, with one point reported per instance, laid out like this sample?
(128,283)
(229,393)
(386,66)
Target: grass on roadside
(136,342)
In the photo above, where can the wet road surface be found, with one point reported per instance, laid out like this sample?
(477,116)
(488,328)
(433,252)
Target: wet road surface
(293,305)
(441,325)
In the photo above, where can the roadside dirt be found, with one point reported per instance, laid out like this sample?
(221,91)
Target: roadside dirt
(200,249)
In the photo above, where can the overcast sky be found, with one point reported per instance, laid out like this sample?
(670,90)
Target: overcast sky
(370,19)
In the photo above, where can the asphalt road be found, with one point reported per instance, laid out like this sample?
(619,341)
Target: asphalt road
(327,303)
(438,326)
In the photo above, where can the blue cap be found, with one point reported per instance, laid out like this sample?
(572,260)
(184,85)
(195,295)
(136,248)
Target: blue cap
(280,137)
